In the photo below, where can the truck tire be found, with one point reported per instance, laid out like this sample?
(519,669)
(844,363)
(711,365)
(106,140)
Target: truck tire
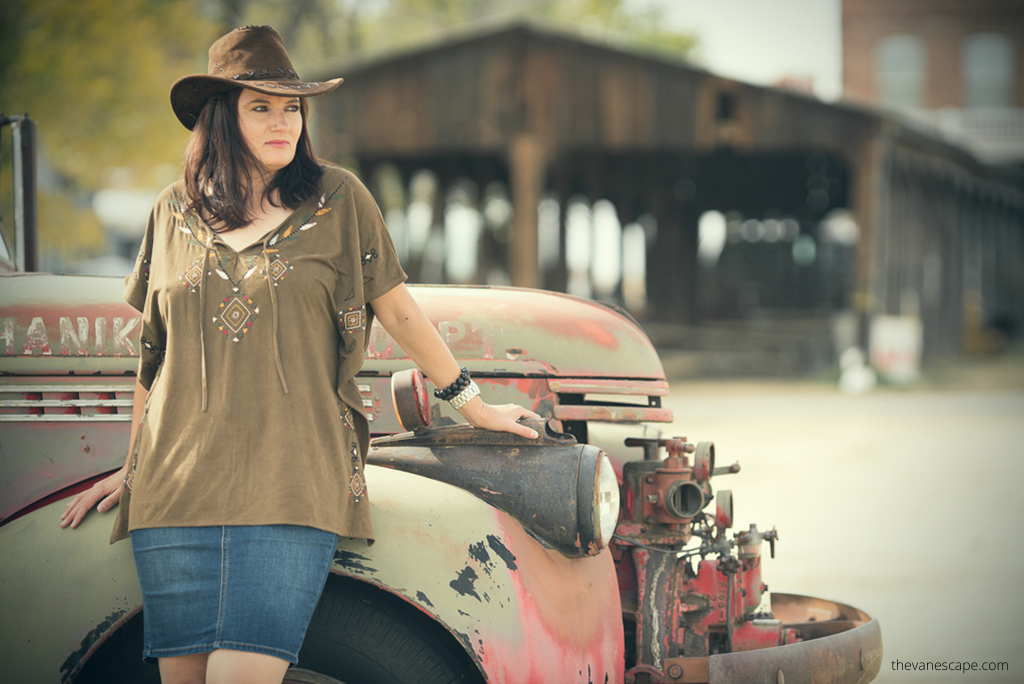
(358,635)
(361,635)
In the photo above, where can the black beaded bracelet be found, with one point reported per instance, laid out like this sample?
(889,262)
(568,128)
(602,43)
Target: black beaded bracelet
(452,390)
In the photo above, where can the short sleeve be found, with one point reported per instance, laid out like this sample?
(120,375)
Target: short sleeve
(138,294)
(381,268)
(136,283)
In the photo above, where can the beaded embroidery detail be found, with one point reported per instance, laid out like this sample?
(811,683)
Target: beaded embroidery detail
(369,256)
(356,483)
(279,268)
(237,312)
(129,479)
(155,352)
(346,418)
(353,320)
(193,276)
(236,315)
(291,232)
(143,268)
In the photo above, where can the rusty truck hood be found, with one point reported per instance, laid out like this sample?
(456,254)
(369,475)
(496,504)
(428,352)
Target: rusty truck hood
(80,325)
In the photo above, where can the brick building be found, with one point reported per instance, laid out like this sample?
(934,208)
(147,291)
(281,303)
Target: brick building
(954,66)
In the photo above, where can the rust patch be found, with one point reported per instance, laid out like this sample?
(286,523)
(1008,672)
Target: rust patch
(479,554)
(352,561)
(463,584)
(422,598)
(71,663)
(613,414)
(502,552)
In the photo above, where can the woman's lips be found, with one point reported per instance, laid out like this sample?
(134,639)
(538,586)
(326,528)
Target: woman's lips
(278,143)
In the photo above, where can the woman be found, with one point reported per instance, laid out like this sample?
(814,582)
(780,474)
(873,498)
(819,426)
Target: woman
(258,277)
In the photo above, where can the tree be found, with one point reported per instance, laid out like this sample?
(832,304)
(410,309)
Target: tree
(404,21)
(95,75)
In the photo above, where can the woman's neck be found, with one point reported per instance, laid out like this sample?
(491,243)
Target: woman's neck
(260,201)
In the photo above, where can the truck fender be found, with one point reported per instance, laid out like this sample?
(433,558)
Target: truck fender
(522,612)
(62,592)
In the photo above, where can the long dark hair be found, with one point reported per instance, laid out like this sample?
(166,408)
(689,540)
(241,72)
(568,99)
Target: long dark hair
(219,166)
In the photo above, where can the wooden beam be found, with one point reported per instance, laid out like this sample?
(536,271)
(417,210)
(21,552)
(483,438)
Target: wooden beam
(527,162)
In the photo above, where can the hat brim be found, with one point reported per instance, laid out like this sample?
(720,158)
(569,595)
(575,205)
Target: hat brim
(190,93)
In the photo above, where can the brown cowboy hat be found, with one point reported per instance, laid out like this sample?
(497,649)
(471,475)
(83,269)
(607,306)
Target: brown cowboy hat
(252,57)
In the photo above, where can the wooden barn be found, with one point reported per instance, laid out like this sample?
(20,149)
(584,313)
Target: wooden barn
(686,197)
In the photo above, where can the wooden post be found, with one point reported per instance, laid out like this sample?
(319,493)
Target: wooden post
(526,176)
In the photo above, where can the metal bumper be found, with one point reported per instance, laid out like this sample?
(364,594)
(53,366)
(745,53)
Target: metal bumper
(841,645)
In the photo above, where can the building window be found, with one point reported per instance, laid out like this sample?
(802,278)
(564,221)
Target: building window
(900,65)
(726,109)
(988,70)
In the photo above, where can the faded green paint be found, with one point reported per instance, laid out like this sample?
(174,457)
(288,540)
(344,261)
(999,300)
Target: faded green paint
(470,566)
(56,587)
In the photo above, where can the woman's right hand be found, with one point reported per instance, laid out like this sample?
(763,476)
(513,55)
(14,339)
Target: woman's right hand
(106,492)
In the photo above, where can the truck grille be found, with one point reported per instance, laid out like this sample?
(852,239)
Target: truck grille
(62,403)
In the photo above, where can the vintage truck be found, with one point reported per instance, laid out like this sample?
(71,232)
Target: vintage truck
(600,553)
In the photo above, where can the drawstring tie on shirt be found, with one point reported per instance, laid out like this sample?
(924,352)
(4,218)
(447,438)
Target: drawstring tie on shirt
(273,310)
(202,326)
(202,318)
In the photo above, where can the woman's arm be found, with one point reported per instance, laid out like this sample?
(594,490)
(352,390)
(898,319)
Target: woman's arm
(402,317)
(108,490)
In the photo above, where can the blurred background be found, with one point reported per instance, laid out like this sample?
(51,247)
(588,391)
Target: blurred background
(824,196)
(766,185)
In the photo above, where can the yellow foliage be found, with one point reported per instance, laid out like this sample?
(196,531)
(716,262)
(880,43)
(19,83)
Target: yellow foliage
(95,75)
(68,227)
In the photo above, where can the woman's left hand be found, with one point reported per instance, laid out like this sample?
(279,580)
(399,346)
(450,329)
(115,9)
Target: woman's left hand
(501,418)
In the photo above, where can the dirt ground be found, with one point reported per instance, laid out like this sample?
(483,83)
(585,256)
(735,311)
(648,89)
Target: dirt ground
(904,502)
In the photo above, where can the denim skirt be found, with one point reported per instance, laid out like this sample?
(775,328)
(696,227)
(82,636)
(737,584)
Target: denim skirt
(242,588)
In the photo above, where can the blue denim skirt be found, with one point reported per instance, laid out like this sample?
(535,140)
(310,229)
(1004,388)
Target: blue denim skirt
(245,588)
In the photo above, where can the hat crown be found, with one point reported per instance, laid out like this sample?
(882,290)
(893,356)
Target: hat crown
(251,57)
(251,53)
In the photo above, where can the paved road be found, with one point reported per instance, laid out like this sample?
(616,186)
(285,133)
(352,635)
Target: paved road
(906,504)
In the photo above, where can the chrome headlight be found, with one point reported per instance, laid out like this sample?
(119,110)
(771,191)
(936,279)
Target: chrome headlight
(598,499)
(565,494)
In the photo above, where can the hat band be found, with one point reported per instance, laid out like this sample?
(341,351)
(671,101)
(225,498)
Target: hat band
(273,84)
(263,74)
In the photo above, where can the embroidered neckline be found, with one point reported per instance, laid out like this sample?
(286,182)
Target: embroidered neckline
(188,225)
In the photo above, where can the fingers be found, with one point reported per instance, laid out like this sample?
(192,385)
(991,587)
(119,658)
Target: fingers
(107,492)
(524,431)
(73,512)
(516,413)
(73,517)
(109,501)
(502,418)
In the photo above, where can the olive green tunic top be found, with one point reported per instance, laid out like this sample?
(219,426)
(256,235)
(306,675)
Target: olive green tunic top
(253,415)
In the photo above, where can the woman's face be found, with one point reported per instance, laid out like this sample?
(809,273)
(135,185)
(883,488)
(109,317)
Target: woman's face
(271,125)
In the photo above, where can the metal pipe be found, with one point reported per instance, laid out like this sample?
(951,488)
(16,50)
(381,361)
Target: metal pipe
(728,611)
(24,161)
(25,147)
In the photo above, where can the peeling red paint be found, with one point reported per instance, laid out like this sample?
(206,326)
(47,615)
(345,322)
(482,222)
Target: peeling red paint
(568,612)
